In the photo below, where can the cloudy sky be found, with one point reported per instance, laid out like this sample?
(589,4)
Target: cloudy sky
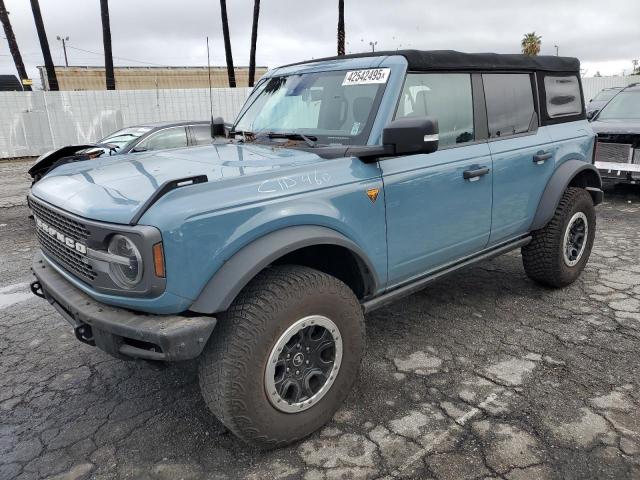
(604,35)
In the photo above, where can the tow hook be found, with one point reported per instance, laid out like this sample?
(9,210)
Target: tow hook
(85,334)
(36,289)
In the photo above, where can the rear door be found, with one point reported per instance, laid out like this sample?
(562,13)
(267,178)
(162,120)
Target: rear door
(521,151)
(434,214)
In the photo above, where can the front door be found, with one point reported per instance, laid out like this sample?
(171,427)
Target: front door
(438,205)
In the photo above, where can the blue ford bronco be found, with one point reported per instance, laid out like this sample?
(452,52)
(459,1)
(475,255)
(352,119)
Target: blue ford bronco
(344,184)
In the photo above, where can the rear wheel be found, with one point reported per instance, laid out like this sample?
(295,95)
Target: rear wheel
(558,253)
(284,356)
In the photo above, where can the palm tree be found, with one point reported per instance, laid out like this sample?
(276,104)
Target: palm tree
(340,27)
(44,45)
(13,45)
(254,39)
(531,44)
(109,74)
(227,43)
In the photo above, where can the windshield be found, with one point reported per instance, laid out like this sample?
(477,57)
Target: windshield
(334,107)
(122,137)
(624,106)
(605,95)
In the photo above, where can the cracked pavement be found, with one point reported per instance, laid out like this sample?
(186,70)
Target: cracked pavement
(482,375)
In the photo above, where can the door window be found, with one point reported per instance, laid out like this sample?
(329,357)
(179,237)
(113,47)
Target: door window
(446,97)
(170,138)
(510,108)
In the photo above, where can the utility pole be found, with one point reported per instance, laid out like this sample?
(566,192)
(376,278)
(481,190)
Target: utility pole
(13,46)
(373,46)
(341,34)
(44,45)
(64,48)
(110,78)
(254,41)
(227,44)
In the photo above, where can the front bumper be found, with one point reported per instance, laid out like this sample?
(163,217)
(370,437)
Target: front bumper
(120,332)
(619,172)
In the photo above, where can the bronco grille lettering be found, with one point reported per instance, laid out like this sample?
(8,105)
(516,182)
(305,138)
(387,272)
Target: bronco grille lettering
(60,237)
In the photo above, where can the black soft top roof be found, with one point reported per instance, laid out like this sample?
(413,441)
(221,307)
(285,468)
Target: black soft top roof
(425,60)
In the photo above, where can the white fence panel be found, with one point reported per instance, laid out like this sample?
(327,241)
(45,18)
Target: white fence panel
(33,122)
(592,85)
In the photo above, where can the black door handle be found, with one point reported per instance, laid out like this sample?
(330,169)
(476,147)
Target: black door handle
(475,174)
(542,157)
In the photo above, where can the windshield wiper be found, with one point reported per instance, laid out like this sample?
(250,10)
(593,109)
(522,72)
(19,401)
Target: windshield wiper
(309,140)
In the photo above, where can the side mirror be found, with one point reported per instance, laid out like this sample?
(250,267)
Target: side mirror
(591,115)
(411,135)
(217,127)
(138,149)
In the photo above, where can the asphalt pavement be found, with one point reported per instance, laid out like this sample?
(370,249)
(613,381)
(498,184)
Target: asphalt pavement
(482,375)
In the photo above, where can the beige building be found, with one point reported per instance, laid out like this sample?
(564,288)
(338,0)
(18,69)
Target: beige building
(147,78)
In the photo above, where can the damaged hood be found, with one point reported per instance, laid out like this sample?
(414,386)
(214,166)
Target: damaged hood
(617,127)
(113,189)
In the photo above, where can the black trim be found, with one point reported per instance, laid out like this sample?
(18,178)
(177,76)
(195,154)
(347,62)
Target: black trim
(419,284)
(480,120)
(428,60)
(227,282)
(557,185)
(165,188)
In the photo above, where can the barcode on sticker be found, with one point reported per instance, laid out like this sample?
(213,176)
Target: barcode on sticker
(364,77)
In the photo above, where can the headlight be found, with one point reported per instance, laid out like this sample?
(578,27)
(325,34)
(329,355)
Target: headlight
(127,270)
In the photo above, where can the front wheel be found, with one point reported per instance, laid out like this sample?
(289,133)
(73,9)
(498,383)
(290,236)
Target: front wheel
(284,356)
(558,253)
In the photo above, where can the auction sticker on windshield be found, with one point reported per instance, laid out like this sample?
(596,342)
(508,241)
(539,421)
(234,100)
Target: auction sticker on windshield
(364,77)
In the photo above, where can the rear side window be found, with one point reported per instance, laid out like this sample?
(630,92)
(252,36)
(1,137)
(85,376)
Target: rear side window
(446,97)
(510,107)
(175,137)
(563,95)
(201,134)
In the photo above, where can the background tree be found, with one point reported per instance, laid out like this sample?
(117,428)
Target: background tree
(13,45)
(341,27)
(227,43)
(531,44)
(636,67)
(110,77)
(254,40)
(44,45)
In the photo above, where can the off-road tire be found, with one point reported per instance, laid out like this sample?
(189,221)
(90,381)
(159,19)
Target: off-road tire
(543,257)
(232,366)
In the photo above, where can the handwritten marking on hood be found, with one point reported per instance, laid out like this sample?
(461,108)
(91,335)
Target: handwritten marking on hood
(283,184)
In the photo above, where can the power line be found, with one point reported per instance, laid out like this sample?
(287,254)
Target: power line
(119,58)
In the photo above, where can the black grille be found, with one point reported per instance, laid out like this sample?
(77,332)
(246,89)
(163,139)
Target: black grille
(69,227)
(70,259)
(630,138)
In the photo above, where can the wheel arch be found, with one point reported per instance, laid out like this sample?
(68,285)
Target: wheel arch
(308,245)
(572,173)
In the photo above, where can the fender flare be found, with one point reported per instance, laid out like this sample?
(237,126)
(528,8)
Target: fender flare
(557,185)
(227,282)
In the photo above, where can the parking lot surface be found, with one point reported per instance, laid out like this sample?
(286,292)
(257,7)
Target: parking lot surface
(482,375)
